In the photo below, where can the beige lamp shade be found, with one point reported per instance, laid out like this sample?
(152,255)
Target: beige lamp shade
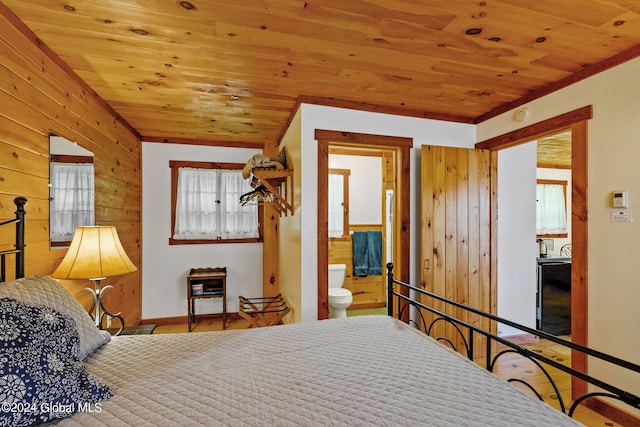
(95,253)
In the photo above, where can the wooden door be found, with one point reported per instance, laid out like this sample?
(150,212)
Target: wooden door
(455,234)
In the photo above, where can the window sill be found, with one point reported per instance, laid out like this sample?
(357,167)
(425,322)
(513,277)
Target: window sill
(549,236)
(173,241)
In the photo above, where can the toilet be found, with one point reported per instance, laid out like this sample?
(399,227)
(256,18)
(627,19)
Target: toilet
(339,298)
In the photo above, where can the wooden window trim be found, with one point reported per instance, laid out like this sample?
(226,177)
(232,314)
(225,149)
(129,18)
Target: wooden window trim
(173,241)
(65,158)
(564,191)
(177,164)
(553,182)
(64,244)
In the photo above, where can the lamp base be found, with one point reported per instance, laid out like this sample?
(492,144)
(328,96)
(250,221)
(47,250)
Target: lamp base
(97,310)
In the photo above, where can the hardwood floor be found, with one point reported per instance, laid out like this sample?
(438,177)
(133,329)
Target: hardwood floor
(202,326)
(515,366)
(509,366)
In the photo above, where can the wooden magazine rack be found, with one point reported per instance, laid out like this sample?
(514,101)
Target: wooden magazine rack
(267,311)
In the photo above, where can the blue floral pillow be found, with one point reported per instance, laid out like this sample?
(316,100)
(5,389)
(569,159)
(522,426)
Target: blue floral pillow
(42,377)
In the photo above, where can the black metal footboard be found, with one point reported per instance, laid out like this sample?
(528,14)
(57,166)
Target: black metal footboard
(405,301)
(19,242)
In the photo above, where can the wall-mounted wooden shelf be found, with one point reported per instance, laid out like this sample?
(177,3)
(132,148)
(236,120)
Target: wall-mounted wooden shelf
(280,184)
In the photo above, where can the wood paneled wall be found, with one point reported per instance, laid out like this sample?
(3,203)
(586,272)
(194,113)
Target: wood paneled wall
(38,94)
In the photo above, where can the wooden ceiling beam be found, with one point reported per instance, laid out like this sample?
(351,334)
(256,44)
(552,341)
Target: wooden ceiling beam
(209,143)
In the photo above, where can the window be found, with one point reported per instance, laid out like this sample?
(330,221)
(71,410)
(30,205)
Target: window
(206,204)
(551,208)
(338,203)
(71,196)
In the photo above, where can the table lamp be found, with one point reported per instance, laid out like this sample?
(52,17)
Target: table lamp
(95,254)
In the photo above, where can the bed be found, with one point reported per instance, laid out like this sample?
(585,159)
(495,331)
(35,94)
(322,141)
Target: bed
(370,370)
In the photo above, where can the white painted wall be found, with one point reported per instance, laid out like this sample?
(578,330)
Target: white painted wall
(365,186)
(517,248)
(423,131)
(290,228)
(613,148)
(165,267)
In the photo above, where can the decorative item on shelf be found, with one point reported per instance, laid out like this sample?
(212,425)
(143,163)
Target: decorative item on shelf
(95,254)
(261,161)
(269,178)
(197,289)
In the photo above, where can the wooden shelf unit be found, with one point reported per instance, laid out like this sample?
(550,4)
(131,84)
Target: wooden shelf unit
(280,184)
(214,284)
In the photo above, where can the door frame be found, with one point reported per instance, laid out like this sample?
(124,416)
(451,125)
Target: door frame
(577,121)
(402,227)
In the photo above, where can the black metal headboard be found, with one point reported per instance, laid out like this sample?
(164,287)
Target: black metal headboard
(19,244)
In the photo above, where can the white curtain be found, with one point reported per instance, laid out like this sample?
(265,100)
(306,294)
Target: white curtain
(71,199)
(197,204)
(208,206)
(551,215)
(237,221)
(336,205)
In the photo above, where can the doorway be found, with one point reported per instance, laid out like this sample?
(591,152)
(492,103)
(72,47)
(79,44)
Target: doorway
(399,147)
(361,180)
(553,234)
(576,121)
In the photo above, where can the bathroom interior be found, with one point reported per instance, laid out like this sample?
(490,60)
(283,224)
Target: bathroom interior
(361,189)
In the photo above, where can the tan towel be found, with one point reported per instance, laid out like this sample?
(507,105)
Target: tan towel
(259,161)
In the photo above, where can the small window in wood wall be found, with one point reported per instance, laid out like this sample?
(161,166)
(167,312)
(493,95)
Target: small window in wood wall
(71,198)
(339,204)
(551,208)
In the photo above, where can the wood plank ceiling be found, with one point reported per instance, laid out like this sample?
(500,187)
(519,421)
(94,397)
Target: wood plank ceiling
(234,70)
(554,151)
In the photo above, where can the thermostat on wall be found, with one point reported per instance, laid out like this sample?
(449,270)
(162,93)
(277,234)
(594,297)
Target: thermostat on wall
(620,199)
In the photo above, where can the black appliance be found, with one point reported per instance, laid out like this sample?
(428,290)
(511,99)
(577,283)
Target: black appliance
(553,302)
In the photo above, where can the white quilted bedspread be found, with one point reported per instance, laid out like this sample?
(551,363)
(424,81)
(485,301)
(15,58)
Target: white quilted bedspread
(357,371)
